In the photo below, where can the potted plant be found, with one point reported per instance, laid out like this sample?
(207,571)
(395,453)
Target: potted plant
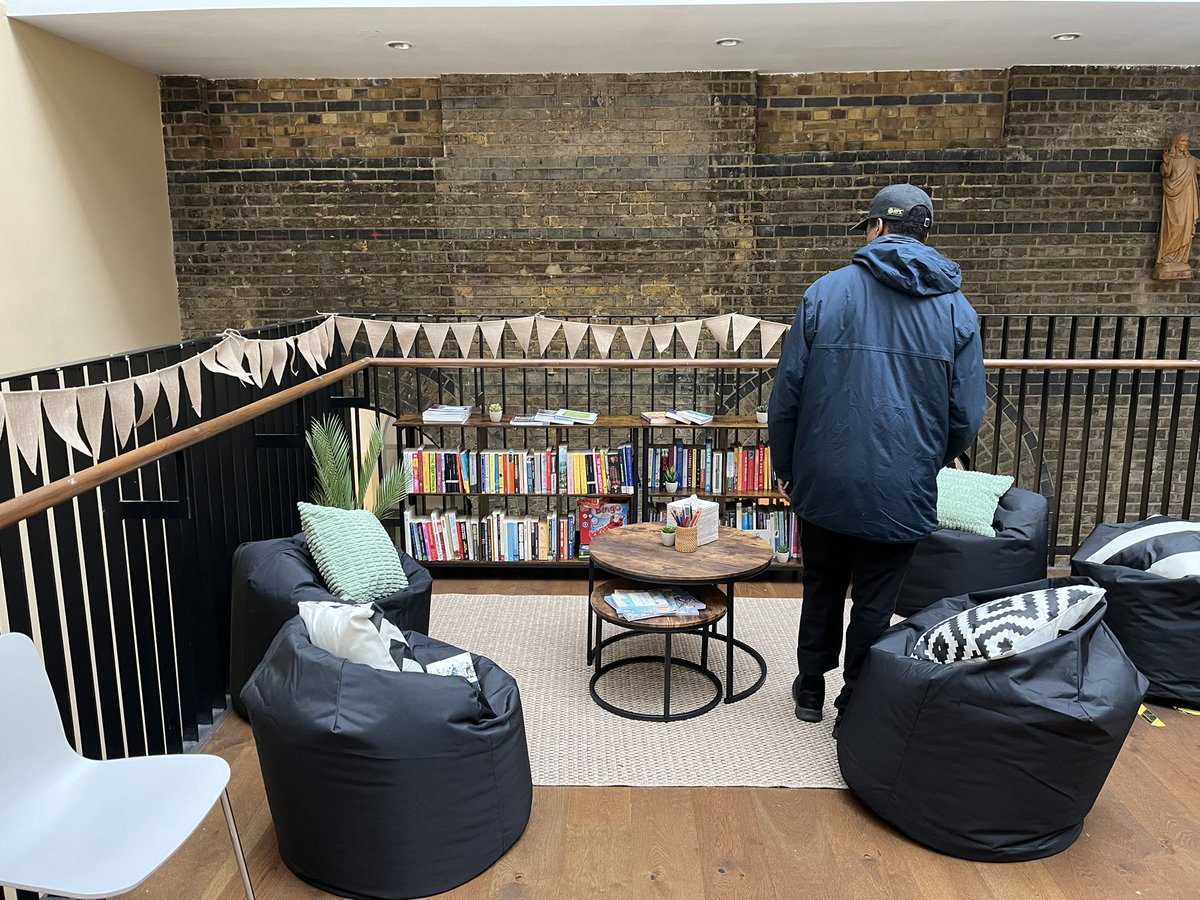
(333,459)
(495,412)
(668,535)
(760,413)
(670,484)
(781,553)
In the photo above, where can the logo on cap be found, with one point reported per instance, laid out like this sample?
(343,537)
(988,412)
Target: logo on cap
(895,211)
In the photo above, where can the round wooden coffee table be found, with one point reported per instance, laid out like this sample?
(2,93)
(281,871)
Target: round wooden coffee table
(637,553)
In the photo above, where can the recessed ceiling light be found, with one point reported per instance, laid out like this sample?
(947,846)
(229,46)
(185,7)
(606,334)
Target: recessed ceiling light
(399,45)
(1066,36)
(727,42)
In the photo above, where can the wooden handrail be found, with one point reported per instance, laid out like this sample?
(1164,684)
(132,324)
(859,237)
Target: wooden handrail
(43,498)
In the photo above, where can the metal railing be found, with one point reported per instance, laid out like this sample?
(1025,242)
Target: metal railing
(124,581)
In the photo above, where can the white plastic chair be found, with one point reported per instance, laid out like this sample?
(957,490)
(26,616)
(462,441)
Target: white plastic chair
(84,828)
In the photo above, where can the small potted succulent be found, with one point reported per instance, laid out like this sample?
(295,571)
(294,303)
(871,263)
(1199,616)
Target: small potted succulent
(782,553)
(670,481)
(760,413)
(495,412)
(668,535)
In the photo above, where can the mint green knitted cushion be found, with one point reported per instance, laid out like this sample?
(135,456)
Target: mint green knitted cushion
(353,552)
(967,500)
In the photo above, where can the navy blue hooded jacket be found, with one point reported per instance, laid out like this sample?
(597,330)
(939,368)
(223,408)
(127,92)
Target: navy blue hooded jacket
(880,384)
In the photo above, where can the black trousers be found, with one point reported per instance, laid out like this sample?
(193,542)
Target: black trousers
(832,562)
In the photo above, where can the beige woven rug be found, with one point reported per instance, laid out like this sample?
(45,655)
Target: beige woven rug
(756,742)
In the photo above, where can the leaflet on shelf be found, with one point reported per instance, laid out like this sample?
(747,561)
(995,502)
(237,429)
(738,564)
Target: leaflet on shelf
(635,605)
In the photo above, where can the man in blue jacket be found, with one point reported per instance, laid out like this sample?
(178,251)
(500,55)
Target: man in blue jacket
(880,384)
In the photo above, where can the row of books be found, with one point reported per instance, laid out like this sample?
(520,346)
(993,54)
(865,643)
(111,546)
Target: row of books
(676,417)
(545,417)
(445,414)
(701,468)
(778,526)
(599,470)
(496,537)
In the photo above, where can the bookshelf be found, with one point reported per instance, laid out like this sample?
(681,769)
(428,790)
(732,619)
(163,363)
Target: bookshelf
(549,495)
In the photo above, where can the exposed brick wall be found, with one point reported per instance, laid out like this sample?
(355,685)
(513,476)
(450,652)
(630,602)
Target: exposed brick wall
(678,192)
(881,110)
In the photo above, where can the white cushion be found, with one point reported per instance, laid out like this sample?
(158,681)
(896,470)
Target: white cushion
(347,631)
(1008,625)
(1162,546)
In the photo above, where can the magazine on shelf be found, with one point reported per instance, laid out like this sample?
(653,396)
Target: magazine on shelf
(444,413)
(657,417)
(689,416)
(634,605)
(525,420)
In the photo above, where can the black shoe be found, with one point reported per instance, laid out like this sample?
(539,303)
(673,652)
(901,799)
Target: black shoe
(808,691)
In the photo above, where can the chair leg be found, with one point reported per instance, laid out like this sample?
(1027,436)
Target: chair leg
(237,845)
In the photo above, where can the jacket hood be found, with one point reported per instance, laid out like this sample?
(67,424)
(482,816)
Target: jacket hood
(909,266)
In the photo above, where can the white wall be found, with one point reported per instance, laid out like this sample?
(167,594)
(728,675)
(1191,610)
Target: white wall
(86,262)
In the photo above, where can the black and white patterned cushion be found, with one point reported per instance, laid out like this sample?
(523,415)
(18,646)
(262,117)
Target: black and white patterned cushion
(1160,545)
(1008,625)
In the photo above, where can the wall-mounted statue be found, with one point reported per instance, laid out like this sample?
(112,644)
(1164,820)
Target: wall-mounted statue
(1180,208)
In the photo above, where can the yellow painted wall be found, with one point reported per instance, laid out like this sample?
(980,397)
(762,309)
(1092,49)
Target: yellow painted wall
(86,263)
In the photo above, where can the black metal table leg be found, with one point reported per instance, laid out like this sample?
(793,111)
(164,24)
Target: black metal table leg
(591,615)
(667,677)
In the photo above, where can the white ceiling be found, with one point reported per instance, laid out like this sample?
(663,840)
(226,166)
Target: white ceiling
(229,39)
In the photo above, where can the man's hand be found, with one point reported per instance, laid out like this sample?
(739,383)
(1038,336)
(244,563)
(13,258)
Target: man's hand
(785,488)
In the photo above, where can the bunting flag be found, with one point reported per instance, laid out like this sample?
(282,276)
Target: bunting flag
(266,361)
(25,425)
(522,328)
(406,335)
(464,336)
(603,336)
(719,328)
(279,362)
(546,329)
(662,335)
(149,386)
(574,333)
(377,332)
(493,334)
(308,344)
(635,337)
(768,334)
(689,332)
(62,411)
(347,328)
(92,400)
(191,380)
(253,351)
(742,326)
(326,330)
(121,402)
(435,334)
(169,382)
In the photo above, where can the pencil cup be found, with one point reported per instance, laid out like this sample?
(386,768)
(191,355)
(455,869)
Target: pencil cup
(685,539)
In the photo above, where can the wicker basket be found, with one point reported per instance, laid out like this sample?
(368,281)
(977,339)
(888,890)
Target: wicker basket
(685,539)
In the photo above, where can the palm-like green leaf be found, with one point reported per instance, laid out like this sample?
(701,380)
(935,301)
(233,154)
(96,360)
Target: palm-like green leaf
(330,449)
(395,483)
(369,463)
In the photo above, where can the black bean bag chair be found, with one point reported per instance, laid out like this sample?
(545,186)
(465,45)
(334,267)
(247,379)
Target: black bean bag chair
(270,578)
(1155,617)
(949,562)
(997,760)
(388,784)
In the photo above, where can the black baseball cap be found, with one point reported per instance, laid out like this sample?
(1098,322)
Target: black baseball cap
(896,202)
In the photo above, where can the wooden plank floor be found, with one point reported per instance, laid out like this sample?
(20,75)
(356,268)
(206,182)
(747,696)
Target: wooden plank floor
(1142,839)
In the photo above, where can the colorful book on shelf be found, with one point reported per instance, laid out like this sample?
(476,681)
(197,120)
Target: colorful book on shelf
(577,416)
(657,417)
(689,416)
(597,516)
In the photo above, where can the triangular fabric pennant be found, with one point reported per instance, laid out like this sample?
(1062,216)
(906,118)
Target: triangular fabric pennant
(191,380)
(149,386)
(306,343)
(635,337)
(742,326)
(435,333)
(603,336)
(253,352)
(493,334)
(768,334)
(574,332)
(121,401)
(25,425)
(377,332)
(689,331)
(546,330)
(464,336)
(719,326)
(522,328)
(168,380)
(662,335)
(347,329)
(406,335)
(63,414)
(228,358)
(91,410)
(283,353)
(266,361)
(327,331)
